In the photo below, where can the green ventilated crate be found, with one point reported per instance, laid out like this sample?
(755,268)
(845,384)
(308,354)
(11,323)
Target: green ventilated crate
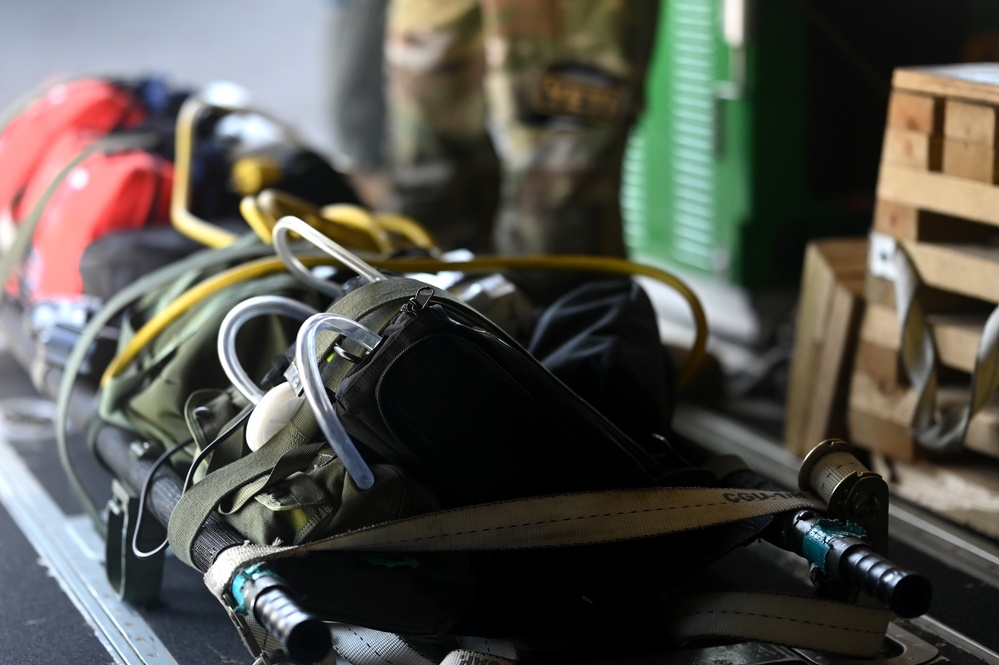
(761,134)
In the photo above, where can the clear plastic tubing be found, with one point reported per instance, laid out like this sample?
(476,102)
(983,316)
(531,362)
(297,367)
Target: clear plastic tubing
(291,224)
(315,391)
(234,320)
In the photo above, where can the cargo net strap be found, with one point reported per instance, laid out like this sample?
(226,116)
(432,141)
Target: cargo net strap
(608,516)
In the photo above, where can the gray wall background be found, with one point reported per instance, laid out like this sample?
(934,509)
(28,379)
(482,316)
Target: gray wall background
(273,48)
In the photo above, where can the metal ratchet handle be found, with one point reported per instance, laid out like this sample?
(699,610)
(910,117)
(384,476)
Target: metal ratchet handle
(837,548)
(303,636)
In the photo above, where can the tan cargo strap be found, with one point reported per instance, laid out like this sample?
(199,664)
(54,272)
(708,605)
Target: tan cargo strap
(607,516)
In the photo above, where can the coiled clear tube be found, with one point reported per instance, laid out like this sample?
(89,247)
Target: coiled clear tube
(315,391)
(234,320)
(289,224)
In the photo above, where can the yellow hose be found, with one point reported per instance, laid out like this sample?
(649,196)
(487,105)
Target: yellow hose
(358,218)
(264,266)
(182,303)
(182,219)
(352,227)
(255,218)
(571,263)
(411,230)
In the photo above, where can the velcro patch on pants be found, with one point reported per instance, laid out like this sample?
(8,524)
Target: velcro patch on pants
(582,92)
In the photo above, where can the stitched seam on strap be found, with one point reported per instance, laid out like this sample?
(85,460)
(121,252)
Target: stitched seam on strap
(782,618)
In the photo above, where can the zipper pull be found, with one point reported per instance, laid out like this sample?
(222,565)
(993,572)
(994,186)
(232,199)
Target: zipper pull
(420,300)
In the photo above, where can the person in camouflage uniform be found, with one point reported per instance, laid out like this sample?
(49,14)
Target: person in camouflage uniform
(508,119)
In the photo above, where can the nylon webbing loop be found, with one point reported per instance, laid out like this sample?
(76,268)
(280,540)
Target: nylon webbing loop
(808,623)
(939,430)
(366,646)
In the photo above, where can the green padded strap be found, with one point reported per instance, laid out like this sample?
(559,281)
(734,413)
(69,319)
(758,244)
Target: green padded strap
(374,304)
(296,459)
(200,500)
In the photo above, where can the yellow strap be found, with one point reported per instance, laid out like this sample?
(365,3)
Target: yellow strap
(200,291)
(156,324)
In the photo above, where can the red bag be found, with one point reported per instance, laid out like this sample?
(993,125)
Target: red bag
(102,194)
(88,104)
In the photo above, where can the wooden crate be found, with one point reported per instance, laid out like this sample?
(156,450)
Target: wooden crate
(828,315)
(938,199)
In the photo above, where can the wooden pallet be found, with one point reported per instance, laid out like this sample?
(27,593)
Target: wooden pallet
(938,198)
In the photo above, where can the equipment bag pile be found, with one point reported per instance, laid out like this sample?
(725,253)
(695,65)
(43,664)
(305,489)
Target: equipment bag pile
(378,451)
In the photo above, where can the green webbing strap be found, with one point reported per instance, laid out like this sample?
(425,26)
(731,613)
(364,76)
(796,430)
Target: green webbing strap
(374,305)
(204,497)
(947,431)
(242,250)
(297,459)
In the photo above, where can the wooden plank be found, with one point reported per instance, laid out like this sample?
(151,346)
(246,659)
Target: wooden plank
(881,363)
(906,222)
(827,405)
(970,122)
(817,284)
(970,270)
(972,161)
(843,255)
(896,406)
(939,192)
(915,112)
(978,81)
(882,291)
(876,434)
(957,336)
(832,283)
(966,492)
(916,150)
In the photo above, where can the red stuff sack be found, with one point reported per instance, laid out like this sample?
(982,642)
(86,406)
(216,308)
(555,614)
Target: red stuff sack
(105,193)
(91,105)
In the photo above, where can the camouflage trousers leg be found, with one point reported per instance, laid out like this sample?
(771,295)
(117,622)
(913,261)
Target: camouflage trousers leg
(552,86)
(443,167)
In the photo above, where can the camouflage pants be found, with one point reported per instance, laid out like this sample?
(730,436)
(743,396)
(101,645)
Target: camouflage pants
(508,118)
